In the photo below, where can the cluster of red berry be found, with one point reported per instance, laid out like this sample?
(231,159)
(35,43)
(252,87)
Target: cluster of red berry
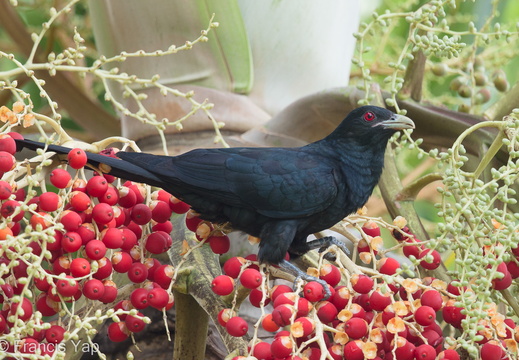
(102,229)
(364,318)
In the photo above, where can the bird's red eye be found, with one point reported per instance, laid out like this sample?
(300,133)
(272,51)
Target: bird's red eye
(369,116)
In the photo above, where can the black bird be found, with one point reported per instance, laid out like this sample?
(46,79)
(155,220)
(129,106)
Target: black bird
(280,195)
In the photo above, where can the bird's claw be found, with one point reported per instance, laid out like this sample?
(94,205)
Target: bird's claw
(301,275)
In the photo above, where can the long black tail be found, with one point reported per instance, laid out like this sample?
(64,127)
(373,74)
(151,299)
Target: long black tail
(116,167)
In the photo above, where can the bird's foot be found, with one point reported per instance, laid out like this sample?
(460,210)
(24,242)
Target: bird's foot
(324,243)
(300,274)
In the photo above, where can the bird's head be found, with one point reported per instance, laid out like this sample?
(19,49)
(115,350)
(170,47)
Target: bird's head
(372,123)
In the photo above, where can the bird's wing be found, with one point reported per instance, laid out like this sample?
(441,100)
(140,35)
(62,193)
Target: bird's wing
(280,183)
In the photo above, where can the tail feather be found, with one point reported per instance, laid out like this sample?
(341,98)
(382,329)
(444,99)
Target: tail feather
(116,167)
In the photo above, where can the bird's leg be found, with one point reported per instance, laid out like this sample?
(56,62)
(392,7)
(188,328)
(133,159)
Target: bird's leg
(324,243)
(300,274)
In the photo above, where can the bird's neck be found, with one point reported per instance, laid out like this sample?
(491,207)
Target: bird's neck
(361,165)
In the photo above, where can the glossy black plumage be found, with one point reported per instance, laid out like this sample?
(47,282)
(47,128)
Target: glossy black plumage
(280,195)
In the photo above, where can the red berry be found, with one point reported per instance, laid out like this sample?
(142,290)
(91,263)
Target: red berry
(121,261)
(110,293)
(104,268)
(87,232)
(95,249)
(432,298)
(61,265)
(388,266)
(425,315)
(60,178)
(505,280)
(118,332)
(282,314)
(425,352)
(224,315)
(77,158)
(452,315)
(79,201)
(102,213)
(361,283)
(222,285)
(160,211)
(219,244)
(353,350)
(7,161)
(110,197)
(7,144)
(491,351)
(127,197)
(302,327)
(71,242)
(163,275)
(134,323)
(5,190)
(129,239)
(356,328)
(404,349)
(70,220)
(54,334)
(281,347)
(379,301)
(49,201)
(413,250)
(158,298)
(326,311)
(237,326)
(138,272)
(139,298)
(166,226)
(262,351)
(112,238)
(46,305)
(25,311)
(371,228)
(93,289)
(256,296)
(448,354)
(331,274)
(251,278)
(232,267)
(67,287)
(157,242)
(96,186)
(268,324)
(141,214)
(9,208)
(192,220)
(434,263)
(178,206)
(313,291)
(79,267)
